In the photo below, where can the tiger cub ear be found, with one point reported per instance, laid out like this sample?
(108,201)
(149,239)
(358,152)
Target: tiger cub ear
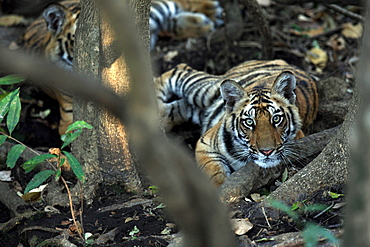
(55,17)
(285,85)
(231,92)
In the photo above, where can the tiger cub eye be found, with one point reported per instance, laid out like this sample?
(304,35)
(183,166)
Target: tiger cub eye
(277,119)
(248,122)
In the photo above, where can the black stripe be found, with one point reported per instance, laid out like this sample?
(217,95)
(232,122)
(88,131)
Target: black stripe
(306,98)
(216,111)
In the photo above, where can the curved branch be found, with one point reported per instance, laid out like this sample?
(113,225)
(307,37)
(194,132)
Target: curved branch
(186,192)
(258,16)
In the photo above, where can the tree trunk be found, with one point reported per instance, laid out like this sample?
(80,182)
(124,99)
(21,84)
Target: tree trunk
(357,226)
(104,151)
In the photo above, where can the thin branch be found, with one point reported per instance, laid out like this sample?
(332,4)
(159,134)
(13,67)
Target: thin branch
(258,16)
(187,193)
(55,169)
(345,12)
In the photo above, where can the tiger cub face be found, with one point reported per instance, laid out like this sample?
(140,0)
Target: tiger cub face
(61,24)
(259,124)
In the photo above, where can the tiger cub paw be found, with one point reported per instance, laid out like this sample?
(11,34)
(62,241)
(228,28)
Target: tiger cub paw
(213,10)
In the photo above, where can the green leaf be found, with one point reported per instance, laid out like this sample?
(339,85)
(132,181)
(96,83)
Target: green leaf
(73,131)
(315,43)
(3,94)
(315,207)
(5,103)
(30,164)
(14,113)
(11,79)
(312,232)
(284,177)
(75,165)
(69,137)
(296,27)
(38,179)
(134,231)
(2,139)
(78,125)
(62,160)
(295,206)
(14,154)
(335,195)
(58,174)
(298,205)
(285,208)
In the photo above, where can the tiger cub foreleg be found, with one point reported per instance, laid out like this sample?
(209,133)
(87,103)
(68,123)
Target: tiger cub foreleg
(210,159)
(66,111)
(173,100)
(174,113)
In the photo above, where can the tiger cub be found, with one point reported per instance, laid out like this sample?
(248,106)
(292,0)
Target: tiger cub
(52,35)
(173,19)
(212,9)
(248,114)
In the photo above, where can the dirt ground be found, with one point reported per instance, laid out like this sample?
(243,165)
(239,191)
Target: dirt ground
(119,218)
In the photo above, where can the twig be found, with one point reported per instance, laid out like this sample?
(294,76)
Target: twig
(81,210)
(19,142)
(64,182)
(323,211)
(260,19)
(71,208)
(345,12)
(264,214)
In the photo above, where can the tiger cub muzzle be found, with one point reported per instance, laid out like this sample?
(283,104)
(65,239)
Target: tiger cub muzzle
(265,138)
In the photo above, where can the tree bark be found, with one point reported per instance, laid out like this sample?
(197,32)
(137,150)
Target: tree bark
(251,177)
(104,151)
(259,18)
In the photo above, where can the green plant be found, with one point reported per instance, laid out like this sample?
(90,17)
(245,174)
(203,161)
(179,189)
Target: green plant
(311,231)
(134,233)
(10,107)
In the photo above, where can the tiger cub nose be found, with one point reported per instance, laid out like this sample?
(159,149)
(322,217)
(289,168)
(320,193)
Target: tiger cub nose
(266,152)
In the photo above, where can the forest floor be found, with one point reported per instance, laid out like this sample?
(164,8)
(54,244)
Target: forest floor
(319,40)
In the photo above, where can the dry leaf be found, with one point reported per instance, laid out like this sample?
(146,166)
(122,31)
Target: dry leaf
(109,236)
(128,219)
(310,33)
(336,42)
(66,222)
(318,57)
(34,195)
(66,166)
(339,205)
(352,31)
(76,227)
(256,197)
(166,231)
(241,226)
